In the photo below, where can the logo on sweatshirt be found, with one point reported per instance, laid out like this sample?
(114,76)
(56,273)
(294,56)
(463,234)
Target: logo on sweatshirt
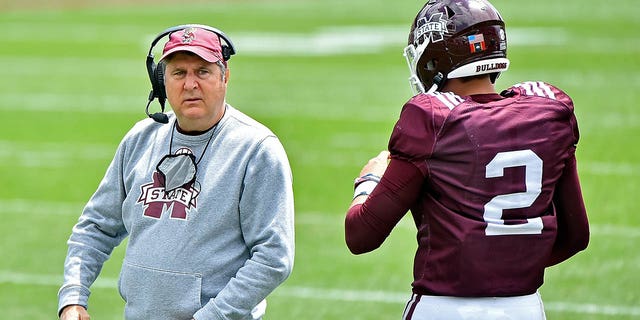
(179,202)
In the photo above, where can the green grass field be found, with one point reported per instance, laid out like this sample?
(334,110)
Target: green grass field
(328,77)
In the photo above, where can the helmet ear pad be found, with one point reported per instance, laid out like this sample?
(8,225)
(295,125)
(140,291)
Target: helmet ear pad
(434,65)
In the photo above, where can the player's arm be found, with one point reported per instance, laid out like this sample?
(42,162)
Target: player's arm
(573,225)
(371,218)
(369,177)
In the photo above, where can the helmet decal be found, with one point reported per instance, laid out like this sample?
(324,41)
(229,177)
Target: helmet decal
(503,40)
(476,43)
(434,28)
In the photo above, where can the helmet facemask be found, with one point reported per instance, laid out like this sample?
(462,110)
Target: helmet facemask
(423,34)
(412,55)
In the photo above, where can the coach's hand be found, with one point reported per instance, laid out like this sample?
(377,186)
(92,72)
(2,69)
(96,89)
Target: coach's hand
(74,312)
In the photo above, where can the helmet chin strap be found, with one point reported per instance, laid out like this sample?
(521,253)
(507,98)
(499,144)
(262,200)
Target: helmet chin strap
(438,81)
(418,87)
(433,89)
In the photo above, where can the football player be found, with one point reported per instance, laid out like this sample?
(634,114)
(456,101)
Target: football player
(490,178)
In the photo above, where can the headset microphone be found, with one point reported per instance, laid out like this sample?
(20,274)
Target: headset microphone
(159,117)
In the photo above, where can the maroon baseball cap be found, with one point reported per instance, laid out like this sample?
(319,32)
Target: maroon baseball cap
(204,43)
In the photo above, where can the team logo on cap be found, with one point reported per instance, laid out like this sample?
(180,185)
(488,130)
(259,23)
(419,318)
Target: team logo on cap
(188,36)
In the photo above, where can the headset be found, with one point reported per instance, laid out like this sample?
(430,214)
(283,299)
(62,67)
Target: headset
(156,72)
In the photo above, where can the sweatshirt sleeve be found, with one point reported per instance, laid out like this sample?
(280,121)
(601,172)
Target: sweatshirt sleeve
(267,222)
(98,231)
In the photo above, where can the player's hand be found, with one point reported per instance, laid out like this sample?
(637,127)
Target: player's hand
(74,312)
(377,165)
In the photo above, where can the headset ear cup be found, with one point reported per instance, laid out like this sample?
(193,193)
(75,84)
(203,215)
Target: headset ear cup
(226,53)
(158,78)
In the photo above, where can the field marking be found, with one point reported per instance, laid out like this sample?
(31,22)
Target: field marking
(52,154)
(611,169)
(334,40)
(41,207)
(331,294)
(328,40)
(74,102)
(25,206)
(325,41)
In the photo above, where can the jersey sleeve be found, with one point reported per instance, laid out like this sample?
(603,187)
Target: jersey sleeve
(573,224)
(414,134)
(367,225)
(546,90)
(566,100)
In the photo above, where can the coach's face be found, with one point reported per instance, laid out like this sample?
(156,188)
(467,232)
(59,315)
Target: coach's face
(196,90)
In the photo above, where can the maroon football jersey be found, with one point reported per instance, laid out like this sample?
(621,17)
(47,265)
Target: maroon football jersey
(484,210)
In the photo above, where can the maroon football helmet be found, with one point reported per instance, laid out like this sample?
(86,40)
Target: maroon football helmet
(454,39)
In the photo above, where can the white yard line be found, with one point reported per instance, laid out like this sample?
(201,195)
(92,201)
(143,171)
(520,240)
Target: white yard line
(76,102)
(322,41)
(331,294)
(26,207)
(326,41)
(333,40)
(51,154)
(611,169)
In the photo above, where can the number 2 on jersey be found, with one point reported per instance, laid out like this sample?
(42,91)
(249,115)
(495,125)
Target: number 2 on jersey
(493,210)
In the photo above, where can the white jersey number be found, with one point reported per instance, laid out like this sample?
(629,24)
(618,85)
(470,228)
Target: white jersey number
(533,182)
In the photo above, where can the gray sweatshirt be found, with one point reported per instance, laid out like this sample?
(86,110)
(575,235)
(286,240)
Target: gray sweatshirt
(213,249)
